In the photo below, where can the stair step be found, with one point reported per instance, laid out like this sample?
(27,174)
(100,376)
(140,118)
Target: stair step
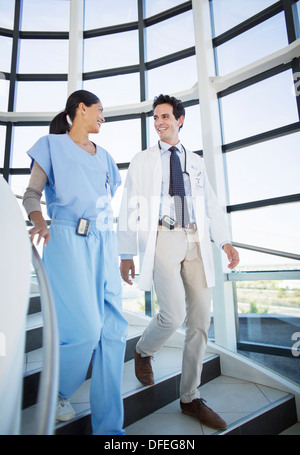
(34,332)
(140,403)
(34,303)
(271,420)
(294,430)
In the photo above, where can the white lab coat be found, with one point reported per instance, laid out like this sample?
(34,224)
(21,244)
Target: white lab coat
(139,212)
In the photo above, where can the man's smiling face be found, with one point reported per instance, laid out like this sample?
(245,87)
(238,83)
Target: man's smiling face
(166,124)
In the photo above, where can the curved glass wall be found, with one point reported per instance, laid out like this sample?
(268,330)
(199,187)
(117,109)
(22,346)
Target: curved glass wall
(260,129)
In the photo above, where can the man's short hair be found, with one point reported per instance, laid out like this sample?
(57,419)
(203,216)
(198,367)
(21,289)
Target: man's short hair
(178,108)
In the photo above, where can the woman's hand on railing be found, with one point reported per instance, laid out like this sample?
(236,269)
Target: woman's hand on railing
(40,228)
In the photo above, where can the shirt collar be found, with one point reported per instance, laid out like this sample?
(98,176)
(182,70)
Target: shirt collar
(165,147)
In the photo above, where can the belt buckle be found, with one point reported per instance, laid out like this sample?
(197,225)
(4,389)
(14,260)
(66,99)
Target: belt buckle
(83,227)
(191,226)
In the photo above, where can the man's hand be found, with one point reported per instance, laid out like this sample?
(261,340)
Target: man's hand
(126,267)
(232,254)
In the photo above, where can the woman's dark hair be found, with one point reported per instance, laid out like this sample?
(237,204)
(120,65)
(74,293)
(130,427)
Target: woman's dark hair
(178,108)
(60,124)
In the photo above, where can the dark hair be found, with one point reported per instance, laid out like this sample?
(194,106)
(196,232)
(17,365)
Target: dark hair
(60,124)
(178,108)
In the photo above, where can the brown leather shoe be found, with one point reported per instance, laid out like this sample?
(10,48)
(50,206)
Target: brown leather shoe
(203,413)
(143,369)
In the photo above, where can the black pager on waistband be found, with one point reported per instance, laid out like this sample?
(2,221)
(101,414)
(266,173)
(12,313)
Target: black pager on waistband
(83,227)
(168,222)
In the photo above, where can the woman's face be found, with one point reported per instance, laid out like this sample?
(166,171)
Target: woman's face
(92,116)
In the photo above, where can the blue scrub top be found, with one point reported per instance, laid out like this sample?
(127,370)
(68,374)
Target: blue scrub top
(79,184)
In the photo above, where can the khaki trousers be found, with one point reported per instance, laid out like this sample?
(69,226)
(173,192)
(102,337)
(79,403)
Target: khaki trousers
(182,294)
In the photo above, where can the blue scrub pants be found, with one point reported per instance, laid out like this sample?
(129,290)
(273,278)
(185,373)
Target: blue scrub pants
(85,279)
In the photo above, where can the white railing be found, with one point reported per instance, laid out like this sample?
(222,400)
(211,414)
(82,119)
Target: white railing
(16,260)
(48,386)
(15,275)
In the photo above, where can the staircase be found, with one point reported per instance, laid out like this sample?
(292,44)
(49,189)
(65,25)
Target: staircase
(247,406)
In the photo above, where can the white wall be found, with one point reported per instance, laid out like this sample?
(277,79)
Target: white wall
(15,270)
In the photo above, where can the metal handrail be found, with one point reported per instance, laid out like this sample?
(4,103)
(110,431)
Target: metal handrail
(48,387)
(260,249)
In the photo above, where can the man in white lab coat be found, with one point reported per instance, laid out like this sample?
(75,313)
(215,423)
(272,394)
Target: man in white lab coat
(175,249)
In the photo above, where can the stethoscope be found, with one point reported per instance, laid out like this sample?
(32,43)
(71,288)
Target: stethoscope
(185,171)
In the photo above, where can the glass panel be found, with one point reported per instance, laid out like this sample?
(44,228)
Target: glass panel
(280,297)
(23,139)
(103,13)
(52,15)
(275,227)
(5,54)
(190,134)
(111,51)
(41,96)
(297,13)
(260,107)
(4,89)
(163,38)
(265,170)
(157,6)
(269,313)
(43,56)
(7,11)
(229,13)
(111,89)
(2,144)
(133,299)
(19,184)
(297,17)
(288,367)
(121,139)
(252,45)
(160,80)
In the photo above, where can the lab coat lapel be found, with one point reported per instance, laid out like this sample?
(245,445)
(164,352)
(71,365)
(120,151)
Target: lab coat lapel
(156,166)
(155,169)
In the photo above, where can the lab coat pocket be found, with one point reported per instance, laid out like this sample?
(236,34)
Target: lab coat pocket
(198,182)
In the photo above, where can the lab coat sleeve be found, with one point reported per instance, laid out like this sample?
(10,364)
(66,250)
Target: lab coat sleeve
(128,216)
(219,231)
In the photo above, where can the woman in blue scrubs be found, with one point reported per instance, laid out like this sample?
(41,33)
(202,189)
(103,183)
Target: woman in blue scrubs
(80,257)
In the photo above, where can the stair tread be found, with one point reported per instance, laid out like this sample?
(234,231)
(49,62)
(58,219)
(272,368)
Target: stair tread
(34,321)
(234,399)
(294,430)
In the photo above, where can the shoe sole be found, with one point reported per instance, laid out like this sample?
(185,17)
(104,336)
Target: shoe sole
(192,415)
(65,418)
(145,383)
